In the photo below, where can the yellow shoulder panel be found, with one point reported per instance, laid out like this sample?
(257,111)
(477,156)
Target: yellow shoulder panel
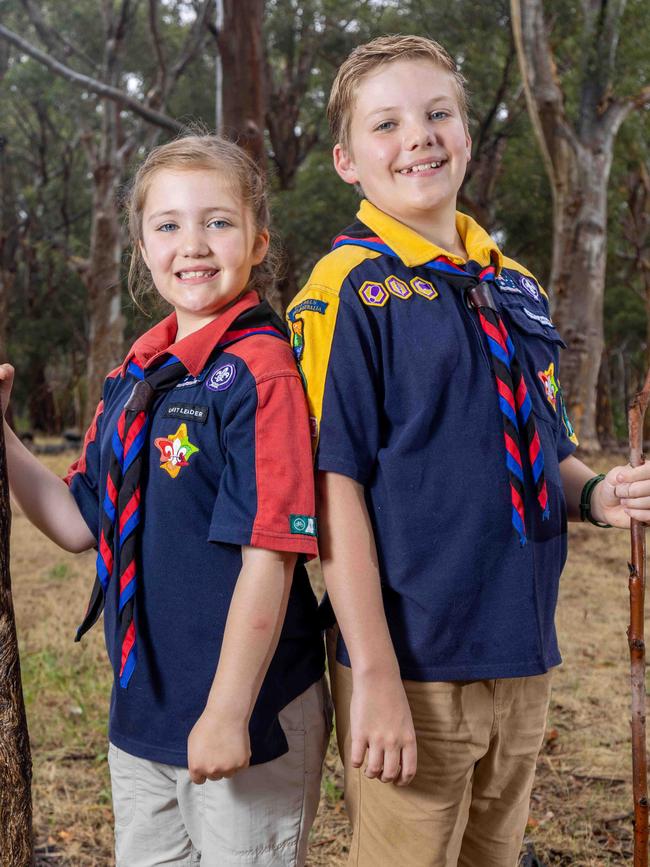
(311,317)
(515,266)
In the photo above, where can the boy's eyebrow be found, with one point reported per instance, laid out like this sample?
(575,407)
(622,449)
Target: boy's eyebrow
(171,212)
(441,98)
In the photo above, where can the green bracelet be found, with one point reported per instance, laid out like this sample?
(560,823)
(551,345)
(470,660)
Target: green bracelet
(585,501)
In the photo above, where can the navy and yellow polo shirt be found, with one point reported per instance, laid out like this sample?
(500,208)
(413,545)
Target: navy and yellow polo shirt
(403,400)
(228,463)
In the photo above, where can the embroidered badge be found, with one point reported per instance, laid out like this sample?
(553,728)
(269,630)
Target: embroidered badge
(297,324)
(222,378)
(398,287)
(424,288)
(188,411)
(373,294)
(549,382)
(175,451)
(530,287)
(302,525)
(312,304)
(506,283)
(537,317)
(566,421)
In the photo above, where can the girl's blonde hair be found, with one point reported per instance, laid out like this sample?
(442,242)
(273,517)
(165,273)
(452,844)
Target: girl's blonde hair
(203,152)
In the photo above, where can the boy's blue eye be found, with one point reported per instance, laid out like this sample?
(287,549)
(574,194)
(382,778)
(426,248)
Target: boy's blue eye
(438,114)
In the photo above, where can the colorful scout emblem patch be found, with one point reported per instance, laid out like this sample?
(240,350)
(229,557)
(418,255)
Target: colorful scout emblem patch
(302,525)
(530,287)
(549,382)
(566,421)
(175,451)
(222,378)
(398,287)
(373,294)
(506,283)
(297,324)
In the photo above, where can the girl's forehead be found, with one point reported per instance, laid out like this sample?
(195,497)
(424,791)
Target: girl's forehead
(192,188)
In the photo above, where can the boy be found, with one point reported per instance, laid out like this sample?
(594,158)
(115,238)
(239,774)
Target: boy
(446,477)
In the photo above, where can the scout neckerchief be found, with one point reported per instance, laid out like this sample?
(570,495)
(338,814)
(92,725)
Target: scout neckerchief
(514,401)
(120,513)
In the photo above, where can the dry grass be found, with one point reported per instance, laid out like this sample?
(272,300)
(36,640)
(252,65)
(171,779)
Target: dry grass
(580,813)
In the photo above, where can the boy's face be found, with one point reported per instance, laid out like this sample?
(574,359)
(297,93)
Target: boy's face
(408,146)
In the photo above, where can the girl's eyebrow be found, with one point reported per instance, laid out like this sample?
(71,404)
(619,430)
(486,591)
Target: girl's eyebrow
(171,212)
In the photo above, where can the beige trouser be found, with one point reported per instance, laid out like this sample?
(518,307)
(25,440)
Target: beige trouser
(468,803)
(260,816)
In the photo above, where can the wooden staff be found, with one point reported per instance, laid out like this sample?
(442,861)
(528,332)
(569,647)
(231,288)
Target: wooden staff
(635,637)
(16,842)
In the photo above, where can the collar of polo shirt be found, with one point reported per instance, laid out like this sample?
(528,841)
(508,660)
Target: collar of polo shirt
(415,250)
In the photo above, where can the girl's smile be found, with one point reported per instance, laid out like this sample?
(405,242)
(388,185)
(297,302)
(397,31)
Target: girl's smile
(199,243)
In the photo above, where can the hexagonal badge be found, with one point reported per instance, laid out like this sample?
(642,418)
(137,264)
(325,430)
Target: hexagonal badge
(424,288)
(398,287)
(373,294)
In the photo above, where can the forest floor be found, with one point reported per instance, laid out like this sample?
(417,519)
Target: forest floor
(581,806)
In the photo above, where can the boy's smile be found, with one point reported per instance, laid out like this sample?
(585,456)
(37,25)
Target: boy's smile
(408,146)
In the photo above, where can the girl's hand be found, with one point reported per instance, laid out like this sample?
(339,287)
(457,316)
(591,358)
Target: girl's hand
(6,382)
(624,493)
(217,747)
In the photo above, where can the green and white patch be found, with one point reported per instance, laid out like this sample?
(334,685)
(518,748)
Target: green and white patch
(302,525)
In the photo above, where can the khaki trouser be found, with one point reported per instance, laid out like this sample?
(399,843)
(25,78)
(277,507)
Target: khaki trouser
(261,816)
(468,803)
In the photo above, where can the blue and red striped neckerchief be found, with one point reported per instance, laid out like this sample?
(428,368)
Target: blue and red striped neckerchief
(120,510)
(514,400)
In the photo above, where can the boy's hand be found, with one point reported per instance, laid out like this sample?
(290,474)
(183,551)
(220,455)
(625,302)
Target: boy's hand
(381,724)
(217,747)
(6,382)
(624,493)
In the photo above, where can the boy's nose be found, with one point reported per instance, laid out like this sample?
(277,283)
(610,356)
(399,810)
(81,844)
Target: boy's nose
(417,135)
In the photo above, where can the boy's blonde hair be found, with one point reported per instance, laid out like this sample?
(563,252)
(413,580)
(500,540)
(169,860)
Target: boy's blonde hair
(366,58)
(203,152)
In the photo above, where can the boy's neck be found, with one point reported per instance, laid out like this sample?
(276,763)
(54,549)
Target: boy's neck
(438,227)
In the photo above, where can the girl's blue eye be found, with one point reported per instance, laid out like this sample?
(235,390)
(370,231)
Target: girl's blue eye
(167,227)
(219,224)
(385,124)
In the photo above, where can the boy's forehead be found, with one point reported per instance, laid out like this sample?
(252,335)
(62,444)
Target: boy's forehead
(399,81)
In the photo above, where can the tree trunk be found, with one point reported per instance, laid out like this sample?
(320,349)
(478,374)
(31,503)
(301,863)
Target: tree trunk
(578,278)
(241,48)
(102,280)
(16,843)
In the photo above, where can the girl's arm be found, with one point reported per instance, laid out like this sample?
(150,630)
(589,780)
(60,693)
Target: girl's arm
(219,745)
(44,497)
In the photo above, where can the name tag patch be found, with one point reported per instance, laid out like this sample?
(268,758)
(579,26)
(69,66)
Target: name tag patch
(188,412)
(543,320)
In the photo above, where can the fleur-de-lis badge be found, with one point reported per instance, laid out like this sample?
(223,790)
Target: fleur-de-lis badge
(175,451)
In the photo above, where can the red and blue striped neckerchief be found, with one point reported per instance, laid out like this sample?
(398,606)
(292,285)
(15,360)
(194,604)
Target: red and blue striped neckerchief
(120,509)
(514,400)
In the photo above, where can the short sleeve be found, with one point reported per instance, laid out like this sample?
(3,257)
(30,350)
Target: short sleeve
(266,491)
(339,360)
(83,475)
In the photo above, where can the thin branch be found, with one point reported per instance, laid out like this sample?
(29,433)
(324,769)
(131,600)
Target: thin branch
(50,36)
(97,87)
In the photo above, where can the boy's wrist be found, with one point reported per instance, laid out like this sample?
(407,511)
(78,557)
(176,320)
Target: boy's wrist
(590,502)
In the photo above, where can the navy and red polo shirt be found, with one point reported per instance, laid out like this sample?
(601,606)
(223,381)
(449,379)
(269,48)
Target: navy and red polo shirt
(227,463)
(403,400)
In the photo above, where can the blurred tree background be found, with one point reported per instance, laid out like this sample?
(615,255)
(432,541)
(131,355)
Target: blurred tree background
(114,77)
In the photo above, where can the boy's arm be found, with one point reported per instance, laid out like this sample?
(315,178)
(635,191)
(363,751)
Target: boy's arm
(380,716)
(44,497)
(624,493)
(219,744)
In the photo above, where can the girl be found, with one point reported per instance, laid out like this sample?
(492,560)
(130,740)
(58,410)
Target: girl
(195,485)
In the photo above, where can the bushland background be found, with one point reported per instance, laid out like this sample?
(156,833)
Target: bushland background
(560,174)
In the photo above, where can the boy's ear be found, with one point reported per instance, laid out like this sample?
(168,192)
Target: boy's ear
(260,246)
(468,144)
(344,165)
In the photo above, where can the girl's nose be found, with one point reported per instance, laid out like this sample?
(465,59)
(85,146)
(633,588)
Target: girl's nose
(194,244)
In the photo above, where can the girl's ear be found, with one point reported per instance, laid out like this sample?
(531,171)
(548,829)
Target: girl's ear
(260,247)
(344,165)
(143,253)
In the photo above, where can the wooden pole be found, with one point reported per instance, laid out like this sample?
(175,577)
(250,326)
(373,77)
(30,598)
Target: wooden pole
(16,842)
(636,641)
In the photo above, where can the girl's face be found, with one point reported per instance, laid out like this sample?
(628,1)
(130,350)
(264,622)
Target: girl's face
(199,242)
